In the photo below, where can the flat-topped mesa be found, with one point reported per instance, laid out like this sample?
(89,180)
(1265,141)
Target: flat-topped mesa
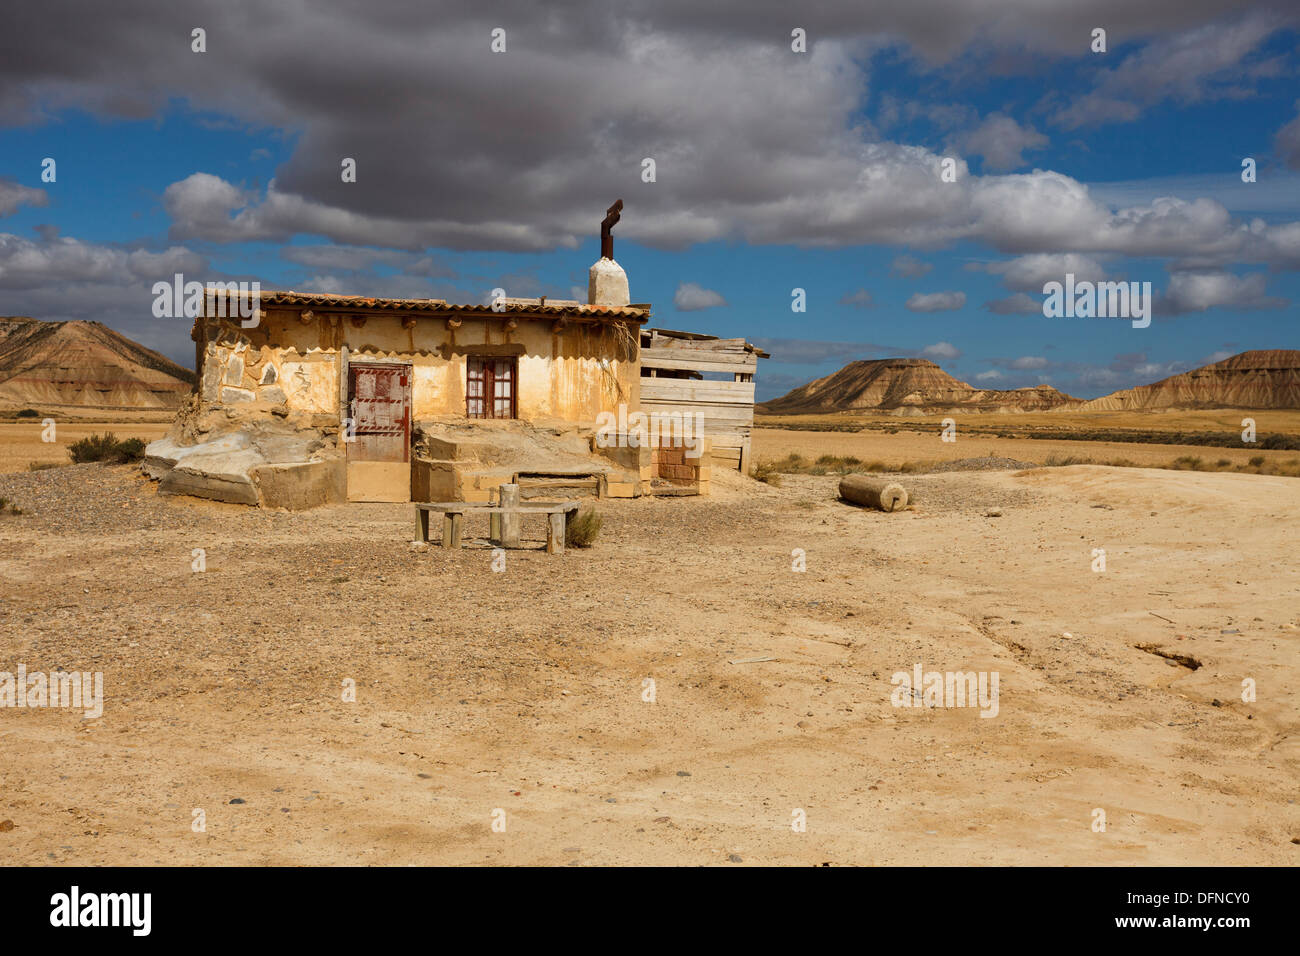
(606,281)
(906,383)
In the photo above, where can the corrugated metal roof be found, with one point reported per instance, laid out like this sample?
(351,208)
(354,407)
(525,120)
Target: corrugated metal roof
(536,308)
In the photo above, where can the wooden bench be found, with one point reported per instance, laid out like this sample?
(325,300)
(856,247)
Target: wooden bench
(503,534)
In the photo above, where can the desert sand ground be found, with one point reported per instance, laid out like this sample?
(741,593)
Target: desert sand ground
(522,691)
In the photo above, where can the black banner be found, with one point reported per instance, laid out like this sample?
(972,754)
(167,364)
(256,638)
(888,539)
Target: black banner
(334,906)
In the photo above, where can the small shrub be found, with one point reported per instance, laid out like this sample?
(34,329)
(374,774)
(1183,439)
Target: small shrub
(107,448)
(28,413)
(582,528)
(1280,442)
(7,505)
(765,471)
(1222,463)
(1256,461)
(132,449)
(41,465)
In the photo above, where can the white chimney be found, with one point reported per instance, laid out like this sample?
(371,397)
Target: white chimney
(607,284)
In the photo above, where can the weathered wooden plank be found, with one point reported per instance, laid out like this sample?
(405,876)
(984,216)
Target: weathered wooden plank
(690,365)
(477,507)
(669,342)
(555,533)
(696,391)
(698,360)
(510,524)
(451,529)
(737,415)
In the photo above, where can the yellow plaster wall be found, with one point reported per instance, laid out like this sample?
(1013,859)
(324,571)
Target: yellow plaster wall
(573,373)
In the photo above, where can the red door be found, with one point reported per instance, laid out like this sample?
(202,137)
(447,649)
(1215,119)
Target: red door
(380,408)
(490,387)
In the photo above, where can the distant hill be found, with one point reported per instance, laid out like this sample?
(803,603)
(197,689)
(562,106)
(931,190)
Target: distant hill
(1261,379)
(907,385)
(84,364)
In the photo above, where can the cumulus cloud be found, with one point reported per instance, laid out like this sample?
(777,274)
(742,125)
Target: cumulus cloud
(1287,143)
(66,278)
(936,301)
(1022,364)
(1199,291)
(860,298)
(349,258)
(909,267)
(25,264)
(13,195)
(1209,62)
(941,350)
(1018,304)
(1030,273)
(850,193)
(1001,141)
(992,375)
(691,297)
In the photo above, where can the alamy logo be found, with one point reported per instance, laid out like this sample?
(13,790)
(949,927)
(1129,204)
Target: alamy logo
(1102,300)
(923,688)
(103,909)
(234,300)
(656,430)
(78,690)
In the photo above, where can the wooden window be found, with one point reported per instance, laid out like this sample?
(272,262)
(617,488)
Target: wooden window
(490,387)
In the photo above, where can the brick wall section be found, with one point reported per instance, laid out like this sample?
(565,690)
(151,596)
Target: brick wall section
(672,463)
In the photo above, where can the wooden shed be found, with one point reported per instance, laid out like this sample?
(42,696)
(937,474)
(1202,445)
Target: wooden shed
(689,372)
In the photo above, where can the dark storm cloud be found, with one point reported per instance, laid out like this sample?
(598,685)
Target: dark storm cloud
(463,148)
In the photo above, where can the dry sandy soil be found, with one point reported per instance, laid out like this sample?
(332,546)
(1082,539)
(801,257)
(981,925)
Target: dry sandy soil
(522,691)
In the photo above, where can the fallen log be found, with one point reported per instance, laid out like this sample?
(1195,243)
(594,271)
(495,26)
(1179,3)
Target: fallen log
(873,492)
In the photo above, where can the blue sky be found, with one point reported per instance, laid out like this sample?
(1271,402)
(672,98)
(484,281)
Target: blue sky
(775,170)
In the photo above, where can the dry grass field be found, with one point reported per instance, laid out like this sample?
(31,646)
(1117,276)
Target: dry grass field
(894,440)
(1209,420)
(919,447)
(21,443)
(522,695)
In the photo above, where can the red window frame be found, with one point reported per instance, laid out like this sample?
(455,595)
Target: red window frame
(491,386)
